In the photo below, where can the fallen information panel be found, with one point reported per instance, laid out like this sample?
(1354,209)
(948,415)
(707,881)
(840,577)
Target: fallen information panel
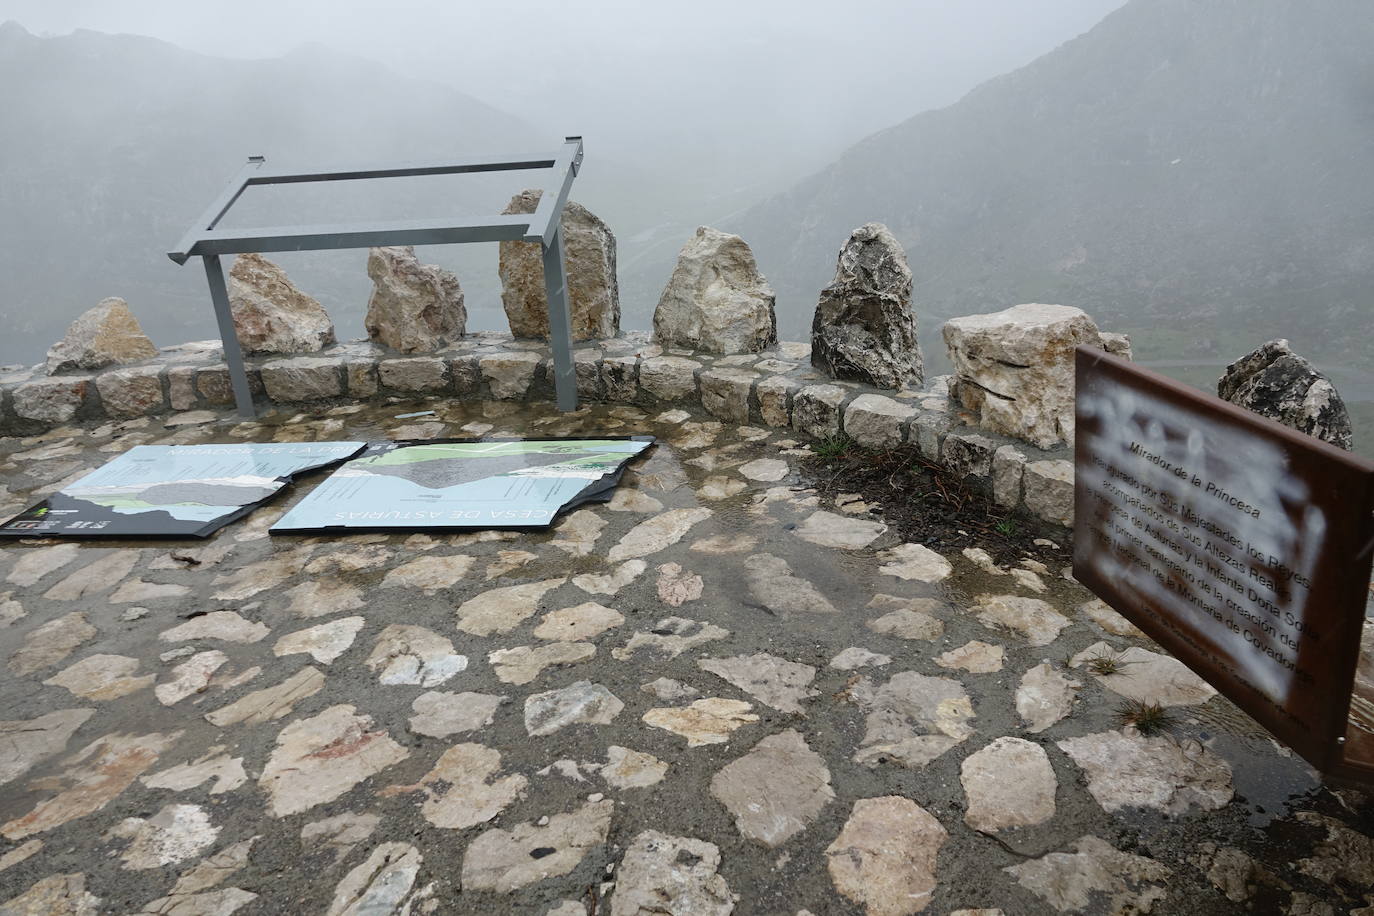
(174,490)
(1240,545)
(457,484)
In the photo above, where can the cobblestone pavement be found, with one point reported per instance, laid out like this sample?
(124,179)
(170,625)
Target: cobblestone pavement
(710,695)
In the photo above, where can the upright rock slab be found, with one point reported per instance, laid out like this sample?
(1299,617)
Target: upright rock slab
(270,314)
(1275,382)
(589,258)
(415,308)
(864,329)
(716,299)
(1014,369)
(106,335)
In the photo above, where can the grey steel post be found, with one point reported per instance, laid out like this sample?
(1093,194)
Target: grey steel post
(560,322)
(233,356)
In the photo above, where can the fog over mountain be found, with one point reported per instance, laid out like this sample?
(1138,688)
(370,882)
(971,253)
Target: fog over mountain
(1195,172)
(115,142)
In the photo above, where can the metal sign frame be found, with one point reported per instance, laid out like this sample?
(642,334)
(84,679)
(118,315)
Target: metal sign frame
(1314,718)
(544,226)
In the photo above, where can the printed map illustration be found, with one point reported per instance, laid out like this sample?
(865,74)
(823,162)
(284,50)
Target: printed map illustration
(175,490)
(495,484)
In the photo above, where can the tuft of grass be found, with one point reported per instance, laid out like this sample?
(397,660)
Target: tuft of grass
(1148,718)
(1112,663)
(1006,527)
(833,446)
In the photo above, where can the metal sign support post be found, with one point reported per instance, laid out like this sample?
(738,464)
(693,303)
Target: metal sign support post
(544,226)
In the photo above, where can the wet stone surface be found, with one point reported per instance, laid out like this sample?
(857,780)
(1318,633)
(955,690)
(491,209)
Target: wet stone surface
(718,693)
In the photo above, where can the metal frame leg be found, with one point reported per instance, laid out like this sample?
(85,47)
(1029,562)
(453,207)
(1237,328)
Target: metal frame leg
(560,322)
(229,338)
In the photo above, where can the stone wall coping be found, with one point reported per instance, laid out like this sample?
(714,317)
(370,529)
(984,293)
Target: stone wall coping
(776,388)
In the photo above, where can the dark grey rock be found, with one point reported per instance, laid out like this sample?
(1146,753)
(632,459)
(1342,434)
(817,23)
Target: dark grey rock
(1275,382)
(864,329)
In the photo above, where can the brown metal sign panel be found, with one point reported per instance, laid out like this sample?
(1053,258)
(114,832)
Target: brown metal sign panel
(1240,545)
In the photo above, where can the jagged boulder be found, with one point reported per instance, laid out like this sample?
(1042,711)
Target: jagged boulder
(716,299)
(1014,369)
(270,314)
(589,258)
(415,308)
(1277,383)
(106,335)
(864,329)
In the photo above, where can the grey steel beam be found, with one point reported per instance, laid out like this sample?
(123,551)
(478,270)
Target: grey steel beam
(560,322)
(500,164)
(229,338)
(543,226)
(549,214)
(511,227)
(215,212)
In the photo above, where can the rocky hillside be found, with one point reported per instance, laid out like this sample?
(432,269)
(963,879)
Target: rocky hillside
(1199,171)
(115,143)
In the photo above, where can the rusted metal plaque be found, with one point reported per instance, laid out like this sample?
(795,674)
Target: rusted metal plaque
(1240,545)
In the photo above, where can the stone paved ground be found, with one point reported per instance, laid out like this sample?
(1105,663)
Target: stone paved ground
(709,694)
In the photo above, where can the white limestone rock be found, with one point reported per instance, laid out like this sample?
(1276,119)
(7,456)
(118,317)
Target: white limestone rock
(589,257)
(669,874)
(580,703)
(772,584)
(776,789)
(1034,619)
(884,857)
(439,714)
(523,664)
(915,562)
(1126,769)
(1014,368)
(716,300)
(106,335)
(1149,677)
(380,884)
(270,314)
(1044,696)
(912,719)
(504,860)
(1096,877)
(839,531)
(407,654)
(876,421)
(1009,783)
(321,757)
(708,721)
(775,681)
(462,789)
(414,308)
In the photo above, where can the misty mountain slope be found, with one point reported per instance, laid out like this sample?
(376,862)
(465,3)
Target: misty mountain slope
(113,144)
(1197,167)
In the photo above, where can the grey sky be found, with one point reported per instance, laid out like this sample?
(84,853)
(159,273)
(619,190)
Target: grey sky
(765,88)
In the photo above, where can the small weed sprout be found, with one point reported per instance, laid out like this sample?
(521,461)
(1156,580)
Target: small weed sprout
(1148,718)
(1105,665)
(833,446)
(1006,527)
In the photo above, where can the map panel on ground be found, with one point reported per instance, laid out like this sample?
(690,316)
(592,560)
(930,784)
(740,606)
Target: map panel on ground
(512,483)
(174,490)
(1241,546)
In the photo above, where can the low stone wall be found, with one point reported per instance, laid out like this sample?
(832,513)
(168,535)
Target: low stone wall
(777,388)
